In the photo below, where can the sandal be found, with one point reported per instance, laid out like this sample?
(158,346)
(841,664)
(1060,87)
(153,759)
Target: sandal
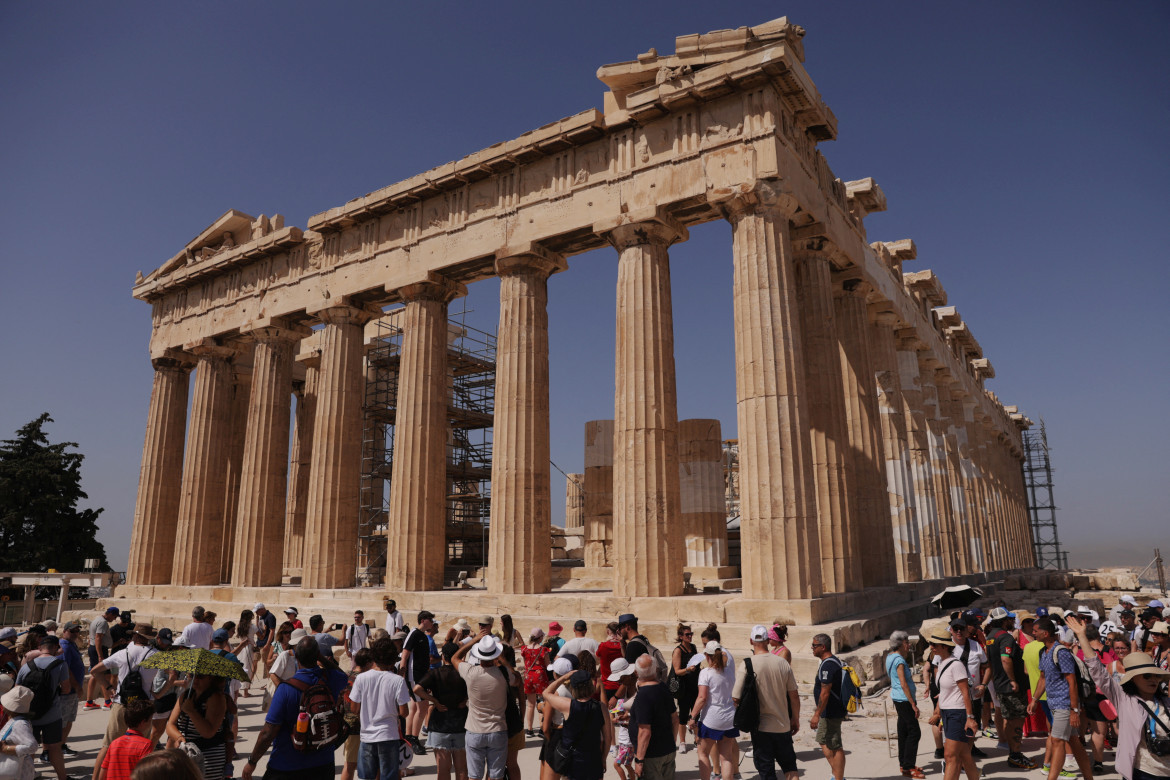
(915,773)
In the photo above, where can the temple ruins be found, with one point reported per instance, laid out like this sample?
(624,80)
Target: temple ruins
(872,462)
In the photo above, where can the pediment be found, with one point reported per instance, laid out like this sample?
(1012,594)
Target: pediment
(233,228)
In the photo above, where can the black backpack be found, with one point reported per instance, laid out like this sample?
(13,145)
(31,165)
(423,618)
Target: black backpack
(40,682)
(131,687)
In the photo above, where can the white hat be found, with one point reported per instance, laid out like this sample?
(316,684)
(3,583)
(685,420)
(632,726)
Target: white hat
(564,666)
(259,606)
(7,633)
(1065,634)
(999,613)
(1129,600)
(712,648)
(291,610)
(297,635)
(486,649)
(17,700)
(759,634)
(618,669)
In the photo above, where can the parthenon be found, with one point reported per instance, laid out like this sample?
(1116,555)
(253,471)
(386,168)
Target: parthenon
(870,452)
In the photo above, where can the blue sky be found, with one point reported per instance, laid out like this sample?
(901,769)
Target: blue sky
(1022,146)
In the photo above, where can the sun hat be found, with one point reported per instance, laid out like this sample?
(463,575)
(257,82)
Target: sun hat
(940,636)
(618,669)
(626,617)
(1140,663)
(1160,627)
(462,625)
(554,628)
(712,648)
(297,635)
(1023,616)
(759,634)
(487,649)
(563,666)
(145,629)
(486,620)
(17,700)
(398,635)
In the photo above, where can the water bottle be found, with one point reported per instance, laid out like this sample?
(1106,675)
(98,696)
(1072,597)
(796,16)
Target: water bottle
(303,722)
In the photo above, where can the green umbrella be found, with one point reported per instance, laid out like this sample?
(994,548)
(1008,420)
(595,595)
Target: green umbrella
(196,660)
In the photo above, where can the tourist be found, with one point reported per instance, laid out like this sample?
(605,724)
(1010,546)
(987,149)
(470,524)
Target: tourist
(635,643)
(1125,602)
(829,711)
(121,631)
(284,664)
(70,700)
(126,751)
(777,636)
(556,641)
(487,696)
(1141,635)
(170,764)
(621,752)
(552,721)
(131,682)
(362,662)
(201,717)
(535,657)
(380,697)
(265,631)
(712,716)
(245,648)
(162,688)
(1010,678)
(1158,643)
(607,652)
(586,730)
(446,692)
(286,762)
(580,641)
(688,680)
(1037,720)
(325,641)
(515,695)
(657,722)
(1095,724)
(955,711)
(357,634)
(18,745)
(969,642)
(414,665)
(279,644)
(290,614)
(1128,624)
(100,643)
(47,725)
(1142,706)
(433,649)
(198,632)
(508,633)
(1058,680)
(394,620)
(904,697)
(779,708)
(1121,649)
(464,631)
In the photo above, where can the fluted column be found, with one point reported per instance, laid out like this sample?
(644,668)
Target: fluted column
(260,529)
(416,542)
(520,531)
(925,505)
(779,543)
(836,503)
(988,445)
(878,567)
(574,501)
(927,363)
(702,506)
(299,466)
(599,493)
(156,512)
(234,461)
(896,446)
(968,444)
(943,383)
(199,538)
(331,516)
(647,557)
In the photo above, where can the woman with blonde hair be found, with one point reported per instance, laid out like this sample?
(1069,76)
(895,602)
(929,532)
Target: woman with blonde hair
(713,714)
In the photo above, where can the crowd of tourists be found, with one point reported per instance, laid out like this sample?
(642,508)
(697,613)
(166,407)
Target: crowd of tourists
(475,694)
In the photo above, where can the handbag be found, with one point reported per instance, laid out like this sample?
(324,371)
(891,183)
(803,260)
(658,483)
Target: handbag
(512,717)
(747,714)
(672,681)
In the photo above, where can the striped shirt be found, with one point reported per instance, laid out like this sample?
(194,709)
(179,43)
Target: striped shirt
(124,754)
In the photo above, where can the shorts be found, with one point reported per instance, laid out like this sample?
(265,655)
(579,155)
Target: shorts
(48,733)
(622,755)
(770,747)
(716,734)
(437,740)
(68,703)
(829,733)
(1061,728)
(379,759)
(352,744)
(994,695)
(549,745)
(116,725)
(93,657)
(515,742)
(1014,706)
(487,754)
(954,723)
(1093,710)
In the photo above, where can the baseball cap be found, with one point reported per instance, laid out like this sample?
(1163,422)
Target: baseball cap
(712,648)
(959,623)
(579,678)
(7,634)
(220,635)
(72,625)
(626,617)
(562,666)
(1156,603)
(112,611)
(580,625)
(976,611)
(999,613)
(1129,600)
(165,635)
(1041,612)
(259,606)
(399,635)
(759,634)
(618,669)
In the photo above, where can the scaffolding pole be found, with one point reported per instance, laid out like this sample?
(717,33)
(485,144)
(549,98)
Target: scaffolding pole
(1037,467)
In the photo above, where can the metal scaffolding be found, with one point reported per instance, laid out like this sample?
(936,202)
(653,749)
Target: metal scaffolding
(471,382)
(1037,467)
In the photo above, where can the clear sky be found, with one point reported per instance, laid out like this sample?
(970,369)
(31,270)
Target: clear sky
(1023,146)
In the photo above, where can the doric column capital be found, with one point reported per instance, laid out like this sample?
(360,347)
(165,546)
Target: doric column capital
(211,348)
(342,313)
(433,288)
(908,340)
(881,313)
(642,227)
(273,329)
(529,258)
(848,285)
(173,360)
(763,195)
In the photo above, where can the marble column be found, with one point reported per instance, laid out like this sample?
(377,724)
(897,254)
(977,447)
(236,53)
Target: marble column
(864,431)
(199,536)
(927,364)
(836,500)
(156,512)
(574,501)
(599,493)
(987,444)
(331,514)
(260,529)
(299,466)
(925,505)
(520,532)
(416,542)
(779,539)
(943,383)
(896,445)
(968,447)
(647,556)
(234,463)
(702,506)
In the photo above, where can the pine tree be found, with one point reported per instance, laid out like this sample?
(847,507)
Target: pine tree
(41,527)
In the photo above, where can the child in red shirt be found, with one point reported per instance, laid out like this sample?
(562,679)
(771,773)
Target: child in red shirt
(126,751)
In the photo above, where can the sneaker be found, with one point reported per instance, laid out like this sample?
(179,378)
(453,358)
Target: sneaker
(1067,773)
(419,748)
(989,733)
(1045,769)
(89,705)
(1002,746)
(681,748)
(424,732)
(68,751)
(108,705)
(43,757)
(975,751)
(1098,767)
(938,754)
(1020,761)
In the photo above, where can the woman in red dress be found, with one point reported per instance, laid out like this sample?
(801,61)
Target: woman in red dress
(536,663)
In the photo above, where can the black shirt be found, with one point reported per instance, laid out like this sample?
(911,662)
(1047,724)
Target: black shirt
(634,648)
(654,706)
(1003,643)
(830,673)
(420,653)
(448,687)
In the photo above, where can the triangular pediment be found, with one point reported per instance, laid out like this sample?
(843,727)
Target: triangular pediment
(234,224)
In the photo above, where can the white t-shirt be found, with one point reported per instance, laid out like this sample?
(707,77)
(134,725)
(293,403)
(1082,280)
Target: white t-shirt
(949,696)
(196,635)
(285,665)
(380,693)
(395,622)
(975,661)
(132,656)
(577,644)
(356,636)
(719,712)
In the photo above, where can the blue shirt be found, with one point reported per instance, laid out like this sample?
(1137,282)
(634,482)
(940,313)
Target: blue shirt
(57,676)
(434,650)
(1054,683)
(286,703)
(893,661)
(73,660)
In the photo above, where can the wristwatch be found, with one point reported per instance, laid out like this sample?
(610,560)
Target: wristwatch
(638,760)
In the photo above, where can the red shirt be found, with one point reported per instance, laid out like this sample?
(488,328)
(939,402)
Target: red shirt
(607,652)
(124,754)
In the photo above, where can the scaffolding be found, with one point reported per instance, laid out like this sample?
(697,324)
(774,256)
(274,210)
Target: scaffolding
(471,382)
(1037,467)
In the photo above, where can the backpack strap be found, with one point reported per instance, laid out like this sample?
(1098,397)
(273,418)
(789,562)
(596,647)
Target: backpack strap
(1153,716)
(299,685)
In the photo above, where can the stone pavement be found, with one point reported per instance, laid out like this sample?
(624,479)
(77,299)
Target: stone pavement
(864,736)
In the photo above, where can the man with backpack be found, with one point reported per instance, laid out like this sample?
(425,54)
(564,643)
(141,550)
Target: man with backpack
(47,677)
(132,682)
(314,690)
(1058,665)
(777,716)
(637,645)
(830,709)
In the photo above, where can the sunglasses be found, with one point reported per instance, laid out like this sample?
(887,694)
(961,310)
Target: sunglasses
(1150,676)
(688,633)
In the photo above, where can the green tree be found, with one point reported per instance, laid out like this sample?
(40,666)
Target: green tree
(40,484)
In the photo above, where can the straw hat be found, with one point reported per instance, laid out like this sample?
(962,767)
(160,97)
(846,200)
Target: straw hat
(1140,663)
(487,649)
(939,636)
(462,625)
